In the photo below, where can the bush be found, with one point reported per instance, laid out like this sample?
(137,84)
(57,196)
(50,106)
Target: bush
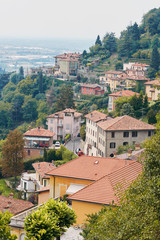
(28,163)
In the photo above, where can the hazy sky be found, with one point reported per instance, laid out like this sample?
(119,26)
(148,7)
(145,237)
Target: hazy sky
(70,18)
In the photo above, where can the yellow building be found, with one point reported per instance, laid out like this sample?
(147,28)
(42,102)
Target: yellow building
(152,89)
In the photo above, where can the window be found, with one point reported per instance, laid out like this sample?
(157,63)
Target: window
(112,145)
(45,183)
(51,120)
(25,185)
(125,143)
(67,126)
(35,187)
(125,134)
(134,134)
(112,134)
(149,133)
(29,152)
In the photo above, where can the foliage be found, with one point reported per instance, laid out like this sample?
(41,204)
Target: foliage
(138,215)
(151,115)
(13,154)
(49,221)
(4,227)
(83,132)
(127,109)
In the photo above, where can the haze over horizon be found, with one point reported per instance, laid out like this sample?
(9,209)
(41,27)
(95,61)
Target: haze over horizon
(69,19)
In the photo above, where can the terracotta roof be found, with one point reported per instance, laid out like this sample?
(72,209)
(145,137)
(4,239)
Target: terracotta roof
(138,78)
(125,93)
(43,167)
(40,132)
(89,168)
(90,85)
(44,189)
(154,82)
(96,116)
(124,123)
(114,72)
(61,113)
(140,64)
(103,191)
(66,55)
(13,205)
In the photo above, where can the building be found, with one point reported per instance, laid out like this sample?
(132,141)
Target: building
(64,122)
(104,136)
(115,79)
(15,206)
(48,71)
(120,131)
(117,95)
(35,141)
(103,191)
(152,89)
(67,63)
(31,182)
(135,66)
(91,89)
(91,131)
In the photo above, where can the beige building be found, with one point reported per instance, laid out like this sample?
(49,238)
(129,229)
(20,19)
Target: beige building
(152,89)
(104,136)
(115,79)
(92,119)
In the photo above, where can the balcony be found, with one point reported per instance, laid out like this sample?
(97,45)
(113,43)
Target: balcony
(60,125)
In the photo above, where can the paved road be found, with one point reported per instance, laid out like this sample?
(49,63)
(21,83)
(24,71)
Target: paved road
(73,144)
(72,234)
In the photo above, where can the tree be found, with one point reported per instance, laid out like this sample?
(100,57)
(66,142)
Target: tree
(21,73)
(155,58)
(13,154)
(98,41)
(127,109)
(29,109)
(45,158)
(110,43)
(151,115)
(4,226)
(49,221)
(83,132)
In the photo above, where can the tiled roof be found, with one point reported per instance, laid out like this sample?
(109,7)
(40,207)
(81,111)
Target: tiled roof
(90,85)
(113,72)
(96,116)
(43,167)
(66,55)
(124,123)
(140,64)
(103,191)
(125,93)
(138,78)
(40,132)
(154,82)
(61,113)
(44,189)
(89,168)
(13,205)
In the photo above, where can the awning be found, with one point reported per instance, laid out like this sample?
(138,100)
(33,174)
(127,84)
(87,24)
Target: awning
(36,139)
(73,188)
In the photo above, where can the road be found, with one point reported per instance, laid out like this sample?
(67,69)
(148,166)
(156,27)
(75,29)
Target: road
(73,144)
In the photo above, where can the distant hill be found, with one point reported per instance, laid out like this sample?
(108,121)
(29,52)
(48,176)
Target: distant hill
(134,44)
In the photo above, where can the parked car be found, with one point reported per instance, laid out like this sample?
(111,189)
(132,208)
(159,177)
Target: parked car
(57,145)
(77,150)
(43,145)
(35,144)
(80,153)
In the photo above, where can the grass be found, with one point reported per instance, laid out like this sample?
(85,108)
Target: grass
(5,190)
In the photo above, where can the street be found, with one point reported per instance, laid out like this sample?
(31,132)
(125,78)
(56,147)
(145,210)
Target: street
(73,144)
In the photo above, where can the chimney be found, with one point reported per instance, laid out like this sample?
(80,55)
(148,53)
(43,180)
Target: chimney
(38,128)
(29,128)
(11,195)
(129,152)
(5,209)
(115,154)
(39,166)
(9,203)
(53,163)
(137,146)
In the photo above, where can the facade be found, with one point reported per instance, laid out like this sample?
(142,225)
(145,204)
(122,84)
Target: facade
(135,66)
(35,140)
(92,119)
(31,182)
(48,71)
(91,89)
(152,89)
(67,63)
(64,122)
(115,79)
(104,136)
(117,95)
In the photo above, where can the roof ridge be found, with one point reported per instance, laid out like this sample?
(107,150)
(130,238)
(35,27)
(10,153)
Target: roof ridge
(119,118)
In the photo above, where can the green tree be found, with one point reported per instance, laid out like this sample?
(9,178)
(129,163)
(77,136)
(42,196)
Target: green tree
(49,221)
(45,158)
(98,41)
(83,132)
(151,115)
(155,58)
(4,227)
(110,42)
(29,109)
(127,109)
(13,154)
(21,73)
(26,86)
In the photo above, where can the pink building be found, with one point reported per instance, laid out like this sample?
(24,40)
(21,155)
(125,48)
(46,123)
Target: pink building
(64,122)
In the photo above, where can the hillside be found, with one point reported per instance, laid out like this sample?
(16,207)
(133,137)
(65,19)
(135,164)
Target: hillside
(134,44)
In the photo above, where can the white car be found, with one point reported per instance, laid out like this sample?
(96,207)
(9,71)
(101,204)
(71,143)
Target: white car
(57,145)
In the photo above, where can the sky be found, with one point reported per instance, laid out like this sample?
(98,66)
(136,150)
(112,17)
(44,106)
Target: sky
(83,19)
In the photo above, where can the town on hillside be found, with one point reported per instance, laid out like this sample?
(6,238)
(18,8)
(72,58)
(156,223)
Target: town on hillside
(79,142)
